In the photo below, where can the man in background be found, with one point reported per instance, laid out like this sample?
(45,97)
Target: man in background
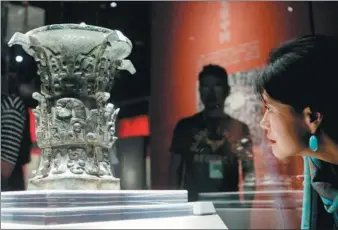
(208,146)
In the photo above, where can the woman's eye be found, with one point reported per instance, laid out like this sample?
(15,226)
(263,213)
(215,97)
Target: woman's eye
(267,108)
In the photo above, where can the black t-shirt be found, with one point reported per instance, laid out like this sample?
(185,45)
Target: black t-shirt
(207,164)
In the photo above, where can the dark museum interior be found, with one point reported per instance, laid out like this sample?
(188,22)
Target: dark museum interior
(162,106)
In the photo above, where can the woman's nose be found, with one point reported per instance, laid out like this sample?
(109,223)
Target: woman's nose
(264,122)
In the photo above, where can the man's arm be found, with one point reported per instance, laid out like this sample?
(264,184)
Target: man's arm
(176,152)
(247,158)
(248,167)
(12,127)
(241,143)
(176,162)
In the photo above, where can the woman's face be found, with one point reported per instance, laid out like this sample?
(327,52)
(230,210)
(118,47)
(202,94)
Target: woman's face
(285,129)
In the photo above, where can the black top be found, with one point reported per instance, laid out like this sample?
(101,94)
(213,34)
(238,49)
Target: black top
(208,161)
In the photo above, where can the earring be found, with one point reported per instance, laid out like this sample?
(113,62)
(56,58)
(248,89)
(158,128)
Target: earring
(313,143)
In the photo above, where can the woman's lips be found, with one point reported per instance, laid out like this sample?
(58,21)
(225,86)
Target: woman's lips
(271,141)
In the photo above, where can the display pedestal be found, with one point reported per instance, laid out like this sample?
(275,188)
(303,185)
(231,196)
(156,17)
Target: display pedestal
(105,210)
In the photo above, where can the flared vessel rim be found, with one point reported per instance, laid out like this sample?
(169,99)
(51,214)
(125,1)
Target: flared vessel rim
(70,26)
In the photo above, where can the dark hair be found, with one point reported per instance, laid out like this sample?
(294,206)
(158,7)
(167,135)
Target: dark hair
(217,71)
(303,73)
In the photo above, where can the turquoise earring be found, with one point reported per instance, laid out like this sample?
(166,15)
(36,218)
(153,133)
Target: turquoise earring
(313,143)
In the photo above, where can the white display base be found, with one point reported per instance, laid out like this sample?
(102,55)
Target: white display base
(106,210)
(189,222)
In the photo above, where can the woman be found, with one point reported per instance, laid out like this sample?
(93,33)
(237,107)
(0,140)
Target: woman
(299,89)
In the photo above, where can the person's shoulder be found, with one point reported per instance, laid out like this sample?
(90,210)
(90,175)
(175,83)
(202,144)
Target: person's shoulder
(237,123)
(189,121)
(12,102)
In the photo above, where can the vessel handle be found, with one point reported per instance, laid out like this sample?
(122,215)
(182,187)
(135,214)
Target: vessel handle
(23,40)
(127,65)
(19,39)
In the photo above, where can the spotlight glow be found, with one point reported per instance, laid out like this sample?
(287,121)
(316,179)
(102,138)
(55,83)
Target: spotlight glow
(19,58)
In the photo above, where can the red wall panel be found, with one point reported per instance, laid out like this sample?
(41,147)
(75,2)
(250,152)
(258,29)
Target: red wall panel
(188,35)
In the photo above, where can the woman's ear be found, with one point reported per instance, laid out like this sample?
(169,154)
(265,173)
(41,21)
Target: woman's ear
(312,119)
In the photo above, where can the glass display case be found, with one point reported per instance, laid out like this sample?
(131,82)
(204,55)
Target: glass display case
(281,209)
